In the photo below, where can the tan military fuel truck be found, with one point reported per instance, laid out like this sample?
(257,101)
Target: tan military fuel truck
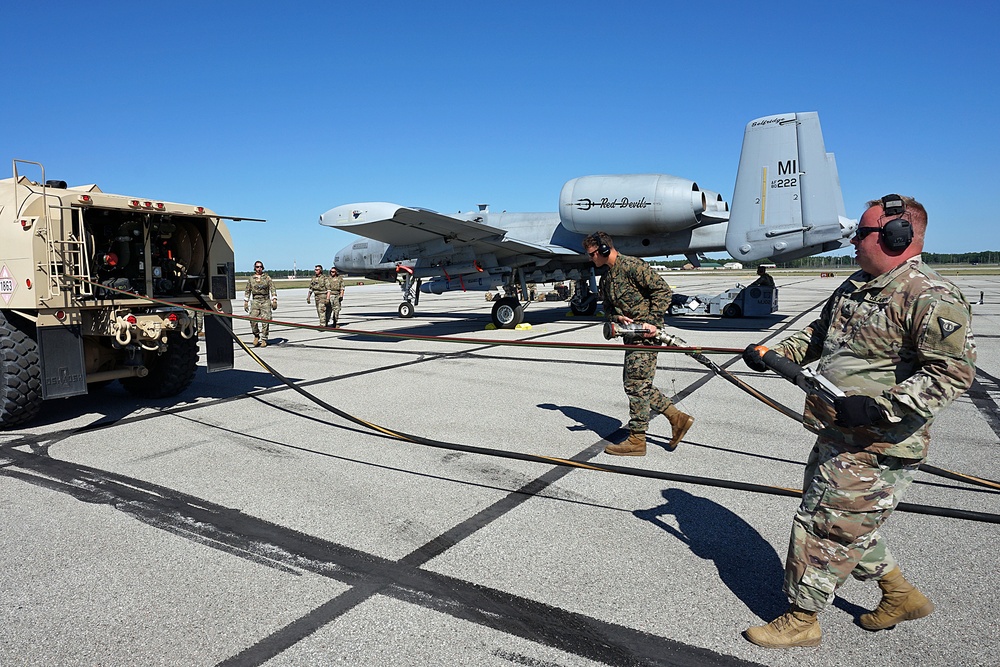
(94,288)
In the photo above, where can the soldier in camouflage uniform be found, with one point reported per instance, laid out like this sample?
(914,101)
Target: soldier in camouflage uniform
(896,338)
(320,286)
(255,302)
(633,293)
(764,278)
(336,293)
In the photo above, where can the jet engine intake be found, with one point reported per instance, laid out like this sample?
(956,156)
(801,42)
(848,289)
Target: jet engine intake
(631,204)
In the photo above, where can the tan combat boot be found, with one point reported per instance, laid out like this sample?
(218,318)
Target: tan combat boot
(796,627)
(634,446)
(680,423)
(263,342)
(256,341)
(901,601)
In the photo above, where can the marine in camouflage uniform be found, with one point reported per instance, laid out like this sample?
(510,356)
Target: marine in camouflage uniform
(633,293)
(320,286)
(336,283)
(900,345)
(256,302)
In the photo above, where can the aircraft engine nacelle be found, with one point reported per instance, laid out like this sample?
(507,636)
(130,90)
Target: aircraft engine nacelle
(631,204)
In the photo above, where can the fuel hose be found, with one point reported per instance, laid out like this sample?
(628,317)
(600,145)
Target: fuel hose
(552,460)
(696,353)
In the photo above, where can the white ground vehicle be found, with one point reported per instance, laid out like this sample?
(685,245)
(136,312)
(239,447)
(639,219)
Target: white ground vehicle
(739,301)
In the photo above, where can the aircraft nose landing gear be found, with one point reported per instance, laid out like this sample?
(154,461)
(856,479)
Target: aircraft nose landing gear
(411,295)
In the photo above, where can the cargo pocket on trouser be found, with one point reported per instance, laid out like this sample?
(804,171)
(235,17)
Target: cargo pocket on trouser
(809,583)
(834,526)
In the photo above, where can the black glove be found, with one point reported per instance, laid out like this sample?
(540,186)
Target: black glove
(751,357)
(857,411)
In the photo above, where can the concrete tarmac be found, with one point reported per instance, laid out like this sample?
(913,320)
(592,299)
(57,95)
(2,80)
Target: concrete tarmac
(244,524)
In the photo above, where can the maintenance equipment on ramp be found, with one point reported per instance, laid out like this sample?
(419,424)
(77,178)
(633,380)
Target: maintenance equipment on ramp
(739,301)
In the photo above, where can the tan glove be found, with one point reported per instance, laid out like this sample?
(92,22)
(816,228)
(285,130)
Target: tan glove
(246,306)
(274,304)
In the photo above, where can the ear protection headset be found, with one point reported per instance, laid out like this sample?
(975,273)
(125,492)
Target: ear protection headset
(604,250)
(897,233)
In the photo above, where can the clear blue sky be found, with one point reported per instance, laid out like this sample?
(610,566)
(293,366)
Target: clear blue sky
(285,109)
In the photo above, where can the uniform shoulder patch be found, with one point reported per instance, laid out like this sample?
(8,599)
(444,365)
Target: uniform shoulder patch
(947,327)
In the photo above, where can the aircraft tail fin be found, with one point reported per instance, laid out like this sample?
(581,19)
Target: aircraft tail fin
(787,202)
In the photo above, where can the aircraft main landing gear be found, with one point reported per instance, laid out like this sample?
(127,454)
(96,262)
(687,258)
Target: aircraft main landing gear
(507,313)
(584,302)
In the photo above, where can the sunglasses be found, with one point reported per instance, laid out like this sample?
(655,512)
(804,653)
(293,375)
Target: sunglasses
(594,252)
(862,232)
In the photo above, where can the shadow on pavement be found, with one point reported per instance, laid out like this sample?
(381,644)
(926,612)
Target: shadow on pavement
(747,563)
(113,402)
(586,420)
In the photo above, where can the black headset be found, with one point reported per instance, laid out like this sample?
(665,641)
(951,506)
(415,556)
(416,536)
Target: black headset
(897,233)
(604,250)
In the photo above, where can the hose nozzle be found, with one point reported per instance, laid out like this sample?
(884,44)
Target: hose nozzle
(630,332)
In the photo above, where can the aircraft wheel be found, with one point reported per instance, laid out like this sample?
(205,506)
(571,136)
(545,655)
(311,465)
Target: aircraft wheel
(507,313)
(587,307)
(406,309)
(732,310)
(20,376)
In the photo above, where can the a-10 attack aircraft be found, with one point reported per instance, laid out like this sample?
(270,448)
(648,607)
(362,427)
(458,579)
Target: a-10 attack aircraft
(787,204)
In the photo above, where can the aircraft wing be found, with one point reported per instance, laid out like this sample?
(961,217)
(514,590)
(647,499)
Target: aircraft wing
(401,225)
(406,227)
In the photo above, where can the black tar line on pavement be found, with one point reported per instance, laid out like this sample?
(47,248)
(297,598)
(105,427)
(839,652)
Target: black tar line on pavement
(291,551)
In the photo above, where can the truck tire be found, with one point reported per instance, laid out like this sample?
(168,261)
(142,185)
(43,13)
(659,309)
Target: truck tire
(20,376)
(169,373)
